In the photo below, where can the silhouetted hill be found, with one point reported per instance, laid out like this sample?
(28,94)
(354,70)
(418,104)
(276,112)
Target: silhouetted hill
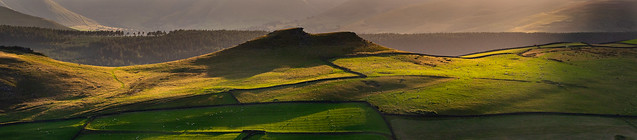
(14,18)
(51,10)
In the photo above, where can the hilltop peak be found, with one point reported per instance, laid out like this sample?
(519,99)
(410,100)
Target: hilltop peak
(289,32)
(294,42)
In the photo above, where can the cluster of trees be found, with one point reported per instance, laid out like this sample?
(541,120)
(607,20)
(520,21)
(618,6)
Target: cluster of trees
(115,48)
(118,48)
(10,34)
(174,45)
(452,44)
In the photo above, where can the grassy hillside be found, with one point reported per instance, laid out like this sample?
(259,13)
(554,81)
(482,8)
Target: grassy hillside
(599,15)
(278,58)
(290,84)
(53,11)
(115,48)
(14,18)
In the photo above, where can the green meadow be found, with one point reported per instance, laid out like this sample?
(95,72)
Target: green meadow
(58,130)
(284,117)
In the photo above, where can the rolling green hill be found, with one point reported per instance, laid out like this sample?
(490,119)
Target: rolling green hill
(14,18)
(315,76)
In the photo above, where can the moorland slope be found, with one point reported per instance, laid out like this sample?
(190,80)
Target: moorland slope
(338,82)
(14,18)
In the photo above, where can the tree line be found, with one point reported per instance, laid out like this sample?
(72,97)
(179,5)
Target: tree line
(115,48)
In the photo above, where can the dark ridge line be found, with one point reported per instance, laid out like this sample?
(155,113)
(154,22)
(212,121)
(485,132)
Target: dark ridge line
(241,131)
(518,114)
(88,121)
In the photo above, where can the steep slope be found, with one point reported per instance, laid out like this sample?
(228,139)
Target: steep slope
(14,18)
(589,16)
(65,89)
(51,10)
(195,14)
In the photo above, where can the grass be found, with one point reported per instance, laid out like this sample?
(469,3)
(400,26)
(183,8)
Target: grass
(270,136)
(574,80)
(150,136)
(518,50)
(512,127)
(62,130)
(81,90)
(285,117)
(634,41)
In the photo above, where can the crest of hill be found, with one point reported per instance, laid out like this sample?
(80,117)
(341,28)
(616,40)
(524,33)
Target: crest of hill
(296,43)
(11,17)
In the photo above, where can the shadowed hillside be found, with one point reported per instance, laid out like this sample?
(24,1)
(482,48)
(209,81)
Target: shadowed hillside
(10,17)
(152,15)
(589,16)
(113,48)
(53,11)
(65,89)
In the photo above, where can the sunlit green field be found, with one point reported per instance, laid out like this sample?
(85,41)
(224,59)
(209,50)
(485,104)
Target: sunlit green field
(577,80)
(154,136)
(284,117)
(59,130)
(634,41)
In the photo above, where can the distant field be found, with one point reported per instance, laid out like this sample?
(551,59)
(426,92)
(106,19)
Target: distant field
(513,127)
(59,130)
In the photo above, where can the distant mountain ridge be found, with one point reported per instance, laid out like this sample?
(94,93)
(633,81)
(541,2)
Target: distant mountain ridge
(361,16)
(53,11)
(14,18)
